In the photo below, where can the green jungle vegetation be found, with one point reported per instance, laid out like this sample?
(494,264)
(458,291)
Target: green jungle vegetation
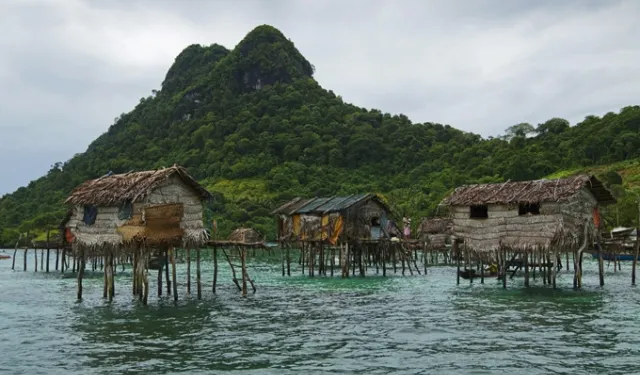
(254,127)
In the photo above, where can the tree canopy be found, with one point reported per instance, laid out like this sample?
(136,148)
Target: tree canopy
(255,128)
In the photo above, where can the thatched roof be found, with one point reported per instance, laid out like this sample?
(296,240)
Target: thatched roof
(323,206)
(435,225)
(117,188)
(248,235)
(529,192)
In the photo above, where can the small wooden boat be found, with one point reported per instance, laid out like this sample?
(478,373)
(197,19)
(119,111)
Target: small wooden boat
(5,256)
(473,274)
(611,256)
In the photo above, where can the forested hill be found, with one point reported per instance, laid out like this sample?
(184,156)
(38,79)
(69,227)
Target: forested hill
(255,128)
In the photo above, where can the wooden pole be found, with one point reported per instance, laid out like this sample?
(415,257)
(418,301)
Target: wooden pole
(105,281)
(35,258)
(198,281)
(526,269)
(215,268)
(635,258)
(504,267)
(189,270)
(173,274)
(109,269)
(243,255)
(555,266)
(80,273)
(288,261)
(145,277)
(160,276)
(456,250)
(57,258)
(166,267)
(136,259)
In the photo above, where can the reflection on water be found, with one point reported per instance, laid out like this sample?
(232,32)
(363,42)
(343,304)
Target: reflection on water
(404,325)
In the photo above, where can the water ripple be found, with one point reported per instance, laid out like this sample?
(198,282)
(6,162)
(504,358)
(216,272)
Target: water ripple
(393,325)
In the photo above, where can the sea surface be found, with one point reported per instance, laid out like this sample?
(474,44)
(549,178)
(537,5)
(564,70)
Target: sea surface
(297,325)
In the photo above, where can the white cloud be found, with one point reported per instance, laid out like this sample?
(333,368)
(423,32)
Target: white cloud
(68,67)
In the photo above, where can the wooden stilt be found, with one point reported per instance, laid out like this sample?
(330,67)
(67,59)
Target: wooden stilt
(526,269)
(160,269)
(166,270)
(215,268)
(635,257)
(105,280)
(145,277)
(554,264)
(57,258)
(136,259)
(35,258)
(504,267)
(188,250)
(383,258)
(109,269)
(600,268)
(288,261)
(456,250)
(481,271)
(173,274)
(282,259)
(243,259)
(80,273)
(198,280)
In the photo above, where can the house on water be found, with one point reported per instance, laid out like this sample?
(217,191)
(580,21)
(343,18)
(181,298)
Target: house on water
(355,225)
(527,214)
(136,214)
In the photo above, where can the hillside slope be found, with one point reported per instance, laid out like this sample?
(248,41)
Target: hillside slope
(255,128)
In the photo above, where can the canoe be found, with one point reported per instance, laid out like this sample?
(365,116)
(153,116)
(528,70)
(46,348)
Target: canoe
(473,274)
(610,256)
(4,256)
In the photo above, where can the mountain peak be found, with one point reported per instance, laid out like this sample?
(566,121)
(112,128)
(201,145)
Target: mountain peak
(264,57)
(192,62)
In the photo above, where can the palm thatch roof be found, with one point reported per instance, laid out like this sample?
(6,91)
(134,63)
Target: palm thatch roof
(527,192)
(323,206)
(245,235)
(113,189)
(435,225)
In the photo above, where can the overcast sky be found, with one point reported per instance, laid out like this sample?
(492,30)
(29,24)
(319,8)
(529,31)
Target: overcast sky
(69,67)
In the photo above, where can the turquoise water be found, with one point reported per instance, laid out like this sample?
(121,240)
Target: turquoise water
(296,325)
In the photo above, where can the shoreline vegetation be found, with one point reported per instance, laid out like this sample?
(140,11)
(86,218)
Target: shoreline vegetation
(253,126)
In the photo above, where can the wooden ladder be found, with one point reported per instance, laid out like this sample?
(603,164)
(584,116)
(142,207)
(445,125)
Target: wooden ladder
(238,254)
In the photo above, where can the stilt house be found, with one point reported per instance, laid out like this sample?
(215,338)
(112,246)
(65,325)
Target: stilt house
(525,213)
(335,219)
(150,208)
(436,231)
